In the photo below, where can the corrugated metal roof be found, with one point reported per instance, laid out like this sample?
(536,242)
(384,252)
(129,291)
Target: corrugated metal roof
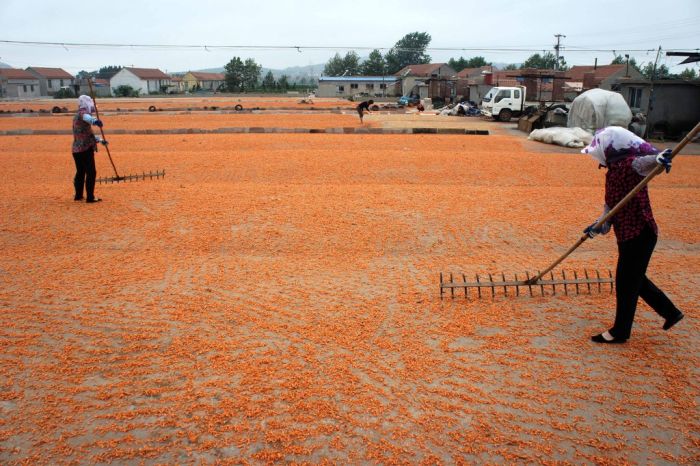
(148,73)
(12,73)
(358,78)
(50,73)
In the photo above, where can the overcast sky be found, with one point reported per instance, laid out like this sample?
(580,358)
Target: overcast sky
(323,27)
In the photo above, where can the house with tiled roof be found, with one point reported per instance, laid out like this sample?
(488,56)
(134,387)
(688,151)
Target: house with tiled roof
(51,80)
(195,80)
(144,80)
(18,84)
(603,76)
(433,80)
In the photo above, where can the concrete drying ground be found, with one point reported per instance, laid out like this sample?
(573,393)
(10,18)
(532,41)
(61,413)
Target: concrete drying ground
(275,299)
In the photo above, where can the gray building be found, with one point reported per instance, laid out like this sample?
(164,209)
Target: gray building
(348,86)
(51,80)
(671,106)
(18,84)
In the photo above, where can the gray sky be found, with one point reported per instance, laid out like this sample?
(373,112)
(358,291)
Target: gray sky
(339,26)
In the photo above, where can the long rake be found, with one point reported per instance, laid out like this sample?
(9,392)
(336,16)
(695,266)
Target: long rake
(539,279)
(117,178)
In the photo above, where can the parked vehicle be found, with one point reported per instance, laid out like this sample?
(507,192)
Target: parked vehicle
(409,100)
(504,103)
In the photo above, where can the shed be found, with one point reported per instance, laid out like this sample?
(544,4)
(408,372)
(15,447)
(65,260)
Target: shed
(18,84)
(194,80)
(428,80)
(144,80)
(348,86)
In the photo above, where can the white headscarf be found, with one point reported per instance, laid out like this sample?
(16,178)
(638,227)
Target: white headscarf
(86,103)
(614,143)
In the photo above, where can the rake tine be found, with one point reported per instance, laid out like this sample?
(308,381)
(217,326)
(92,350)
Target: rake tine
(478,288)
(529,285)
(612,282)
(576,278)
(505,289)
(464,278)
(541,285)
(452,289)
(589,283)
(442,290)
(493,288)
(600,288)
(554,287)
(563,277)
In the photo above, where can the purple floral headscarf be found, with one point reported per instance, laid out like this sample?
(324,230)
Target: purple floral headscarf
(615,143)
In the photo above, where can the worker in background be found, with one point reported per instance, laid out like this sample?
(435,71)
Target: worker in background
(364,107)
(84,148)
(628,159)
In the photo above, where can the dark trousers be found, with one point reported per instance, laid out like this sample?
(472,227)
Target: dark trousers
(632,283)
(85,174)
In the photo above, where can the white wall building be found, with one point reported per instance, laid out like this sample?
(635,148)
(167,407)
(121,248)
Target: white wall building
(144,80)
(346,86)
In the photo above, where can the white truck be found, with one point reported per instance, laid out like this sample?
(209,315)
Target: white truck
(504,103)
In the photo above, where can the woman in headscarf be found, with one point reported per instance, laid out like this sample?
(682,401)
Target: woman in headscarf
(628,159)
(84,148)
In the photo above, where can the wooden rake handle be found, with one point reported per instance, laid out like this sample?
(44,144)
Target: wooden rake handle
(689,137)
(97,113)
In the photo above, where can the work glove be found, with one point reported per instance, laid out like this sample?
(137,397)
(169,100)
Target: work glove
(98,123)
(664,159)
(591,231)
(103,142)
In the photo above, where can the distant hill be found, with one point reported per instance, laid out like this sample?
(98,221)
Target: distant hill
(4,65)
(293,72)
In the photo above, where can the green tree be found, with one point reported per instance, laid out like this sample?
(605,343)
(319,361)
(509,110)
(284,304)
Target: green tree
(375,65)
(106,72)
(462,63)
(234,71)
(544,62)
(283,82)
(511,67)
(409,50)
(621,60)
(650,71)
(343,66)
(251,75)
(688,73)
(268,82)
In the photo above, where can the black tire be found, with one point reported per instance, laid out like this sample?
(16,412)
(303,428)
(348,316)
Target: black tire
(505,115)
(375,108)
(238,107)
(56,109)
(152,108)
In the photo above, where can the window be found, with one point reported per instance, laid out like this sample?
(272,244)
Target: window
(369,86)
(516,93)
(32,87)
(25,88)
(341,89)
(50,84)
(61,83)
(353,86)
(382,86)
(502,94)
(635,97)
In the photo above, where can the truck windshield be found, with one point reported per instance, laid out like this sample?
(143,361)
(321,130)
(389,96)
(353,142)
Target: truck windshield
(488,96)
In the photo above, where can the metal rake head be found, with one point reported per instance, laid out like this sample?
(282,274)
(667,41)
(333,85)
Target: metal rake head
(573,282)
(135,177)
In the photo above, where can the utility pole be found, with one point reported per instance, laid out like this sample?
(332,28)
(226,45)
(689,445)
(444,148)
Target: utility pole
(556,48)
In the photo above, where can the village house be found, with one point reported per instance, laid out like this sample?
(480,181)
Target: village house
(667,104)
(470,77)
(603,76)
(51,80)
(177,85)
(430,80)
(196,80)
(144,80)
(348,86)
(18,84)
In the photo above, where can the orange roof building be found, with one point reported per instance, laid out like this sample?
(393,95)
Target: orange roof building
(51,80)
(144,80)
(19,84)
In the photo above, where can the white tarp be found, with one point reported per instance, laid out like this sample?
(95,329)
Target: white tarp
(598,108)
(567,137)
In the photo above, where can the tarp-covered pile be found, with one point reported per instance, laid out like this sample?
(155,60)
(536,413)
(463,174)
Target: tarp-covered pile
(598,108)
(567,137)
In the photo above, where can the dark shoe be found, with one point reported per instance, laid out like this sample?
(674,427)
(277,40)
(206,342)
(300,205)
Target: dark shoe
(673,321)
(599,339)
(76,198)
(97,199)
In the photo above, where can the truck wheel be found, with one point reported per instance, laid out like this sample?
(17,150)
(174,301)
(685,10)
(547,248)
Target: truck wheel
(505,115)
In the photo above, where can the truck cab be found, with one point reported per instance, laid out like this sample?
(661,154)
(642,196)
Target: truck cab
(503,103)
